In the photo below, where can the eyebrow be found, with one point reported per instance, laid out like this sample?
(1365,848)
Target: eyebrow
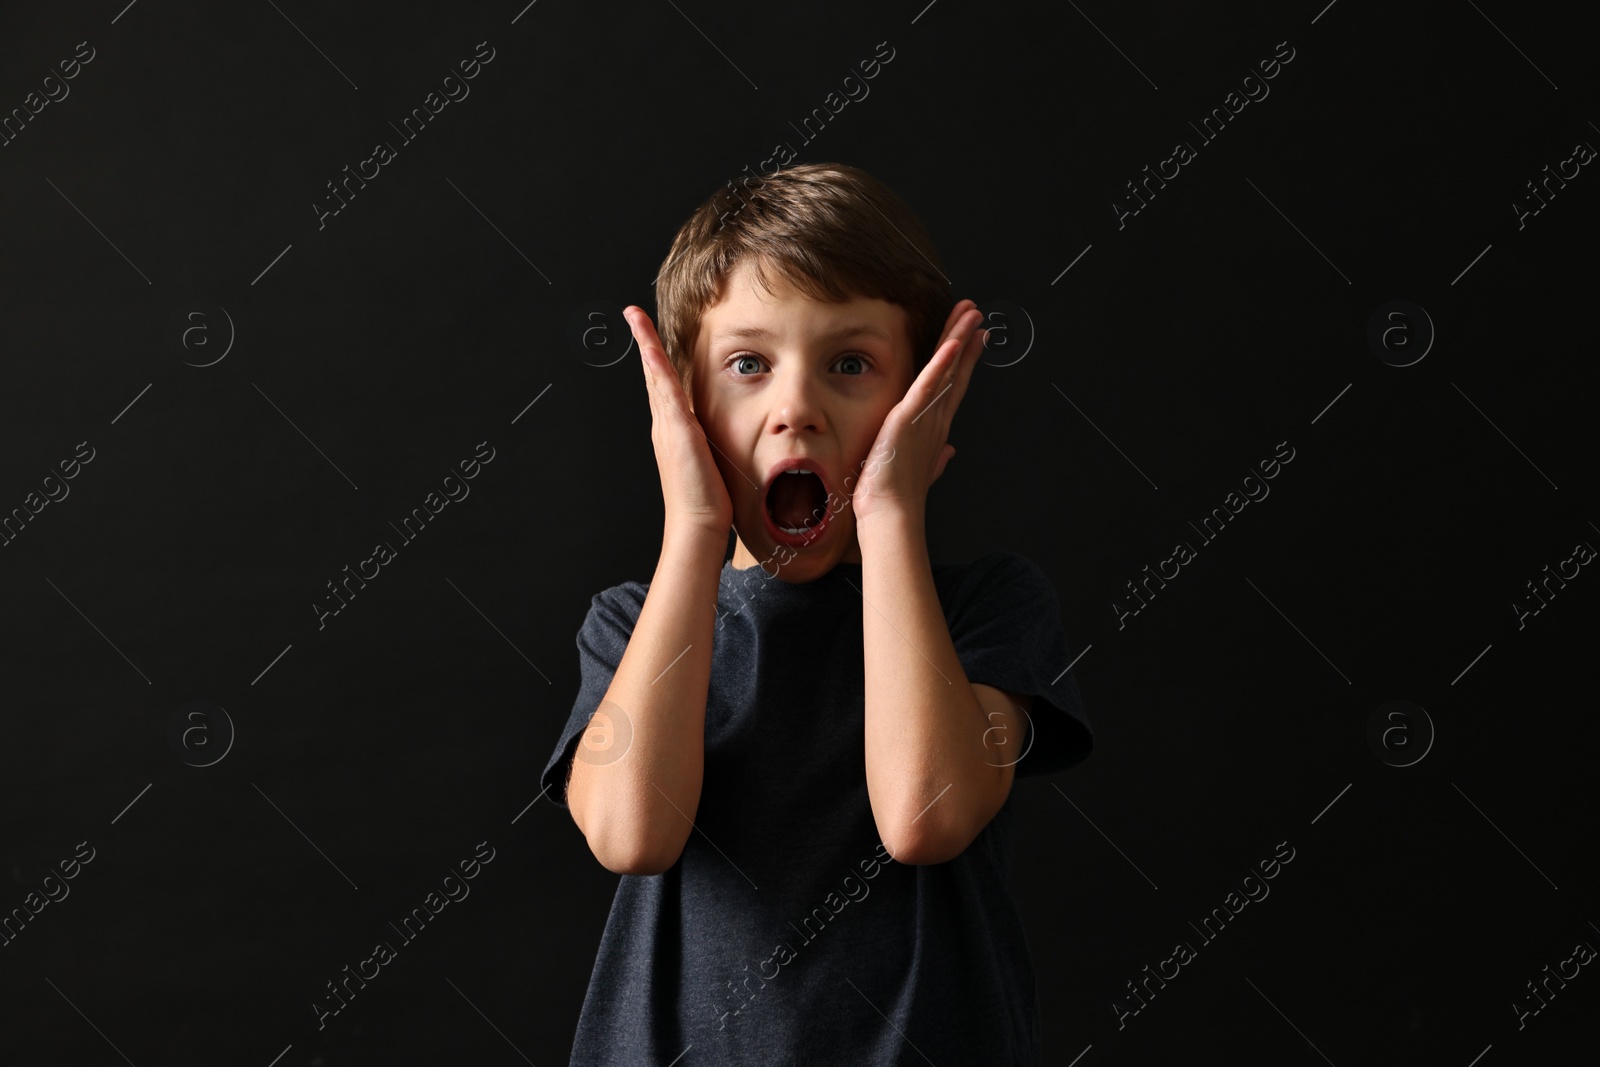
(758,333)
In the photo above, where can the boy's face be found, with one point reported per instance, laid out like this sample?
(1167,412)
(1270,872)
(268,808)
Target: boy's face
(796,392)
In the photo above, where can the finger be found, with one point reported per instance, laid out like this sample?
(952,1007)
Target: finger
(956,362)
(961,308)
(969,361)
(644,331)
(958,345)
(662,375)
(643,340)
(936,373)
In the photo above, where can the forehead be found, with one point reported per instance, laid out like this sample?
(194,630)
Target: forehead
(748,312)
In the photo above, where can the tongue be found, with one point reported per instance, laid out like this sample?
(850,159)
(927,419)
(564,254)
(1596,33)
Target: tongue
(794,499)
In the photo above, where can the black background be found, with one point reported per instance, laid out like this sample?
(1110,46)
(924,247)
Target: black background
(371,355)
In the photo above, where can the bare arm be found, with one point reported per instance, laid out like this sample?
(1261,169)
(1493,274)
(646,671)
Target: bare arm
(635,810)
(936,774)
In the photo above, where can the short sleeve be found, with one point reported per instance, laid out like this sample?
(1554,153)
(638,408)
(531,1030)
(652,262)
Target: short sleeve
(1005,624)
(601,641)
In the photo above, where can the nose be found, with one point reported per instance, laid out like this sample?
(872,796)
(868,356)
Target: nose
(797,400)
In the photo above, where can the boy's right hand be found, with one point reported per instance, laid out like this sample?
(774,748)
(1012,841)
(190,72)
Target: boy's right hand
(692,489)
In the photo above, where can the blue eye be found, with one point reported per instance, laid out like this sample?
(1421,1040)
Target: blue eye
(739,358)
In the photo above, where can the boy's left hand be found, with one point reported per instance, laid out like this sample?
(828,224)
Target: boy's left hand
(910,452)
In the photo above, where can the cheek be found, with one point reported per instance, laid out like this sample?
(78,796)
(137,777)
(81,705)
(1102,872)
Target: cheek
(873,420)
(729,447)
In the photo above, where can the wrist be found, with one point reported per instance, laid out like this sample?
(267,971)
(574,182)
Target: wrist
(696,542)
(895,524)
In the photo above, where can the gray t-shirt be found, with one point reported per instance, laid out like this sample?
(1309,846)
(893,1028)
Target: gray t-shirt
(784,934)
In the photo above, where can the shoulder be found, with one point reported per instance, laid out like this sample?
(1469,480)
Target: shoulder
(616,608)
(622,594)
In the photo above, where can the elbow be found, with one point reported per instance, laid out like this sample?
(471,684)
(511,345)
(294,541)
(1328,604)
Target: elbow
(639,862)
(627,854)
(615,840)
(924,846)
(925,854)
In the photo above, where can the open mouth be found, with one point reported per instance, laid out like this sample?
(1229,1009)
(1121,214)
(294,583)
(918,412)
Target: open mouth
(796,506)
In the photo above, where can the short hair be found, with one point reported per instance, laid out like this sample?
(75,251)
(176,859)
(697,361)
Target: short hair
(831,230)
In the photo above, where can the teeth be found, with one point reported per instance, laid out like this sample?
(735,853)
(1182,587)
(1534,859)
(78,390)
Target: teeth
(808,527)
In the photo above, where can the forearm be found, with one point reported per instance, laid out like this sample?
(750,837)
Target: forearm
(637,808)
(926,758)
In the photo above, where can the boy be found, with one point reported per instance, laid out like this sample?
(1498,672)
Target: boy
(800,759)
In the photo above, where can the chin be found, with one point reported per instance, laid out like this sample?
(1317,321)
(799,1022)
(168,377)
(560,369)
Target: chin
(792,564)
